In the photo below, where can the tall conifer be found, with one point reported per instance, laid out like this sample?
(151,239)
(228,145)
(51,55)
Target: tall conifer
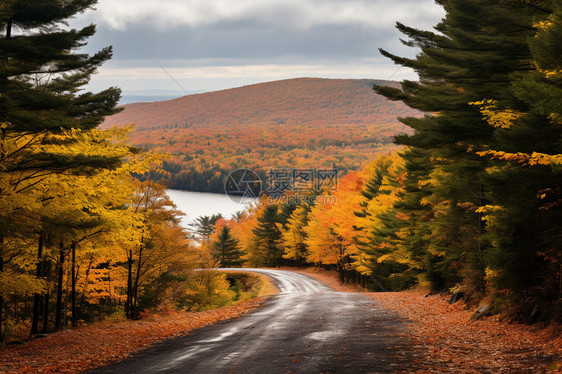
(42,75)
(227,249)
(472,54)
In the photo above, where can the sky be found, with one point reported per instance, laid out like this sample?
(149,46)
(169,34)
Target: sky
(168,46)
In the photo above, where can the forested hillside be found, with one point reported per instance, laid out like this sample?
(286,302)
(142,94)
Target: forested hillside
(291,123)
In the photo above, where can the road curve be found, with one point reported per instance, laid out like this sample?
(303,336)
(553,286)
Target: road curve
(306,328)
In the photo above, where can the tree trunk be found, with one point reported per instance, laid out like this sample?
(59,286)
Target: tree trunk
(341,276)
(136,285)
(2,138)
(37,296)
(157,297)
(9,28)
(109,283)
(1,297)
(73,287)
(46,314)
(129,284)
(87,276)
(15,306)
(58,312)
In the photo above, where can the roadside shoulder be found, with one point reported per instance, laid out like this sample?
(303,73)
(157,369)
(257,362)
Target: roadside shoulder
(74,351)
(452,342)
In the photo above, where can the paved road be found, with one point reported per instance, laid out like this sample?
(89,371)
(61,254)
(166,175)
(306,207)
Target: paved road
(306,328)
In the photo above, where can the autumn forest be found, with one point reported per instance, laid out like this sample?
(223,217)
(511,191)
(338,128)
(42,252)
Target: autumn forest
(451,183)
(296,123)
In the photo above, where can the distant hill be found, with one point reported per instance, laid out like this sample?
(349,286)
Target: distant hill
(145,96)
(128,99)
(295,123)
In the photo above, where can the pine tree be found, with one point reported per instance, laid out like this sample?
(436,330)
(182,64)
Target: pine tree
(41,74)
(525,214)
(267,235)
(204,226)
(227,249)
(47,127)
(42,70)
(473,54)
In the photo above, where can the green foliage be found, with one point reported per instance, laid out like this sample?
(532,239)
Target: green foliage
(160,290)
(481,203)
(77,231)
(208,290)
(247,286)
(42,73)
(227,249)
(204,226)
(267,235)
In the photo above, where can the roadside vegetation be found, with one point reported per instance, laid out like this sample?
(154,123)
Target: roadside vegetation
(82,239)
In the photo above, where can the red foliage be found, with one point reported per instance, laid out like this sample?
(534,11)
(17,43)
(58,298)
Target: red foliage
(302,101)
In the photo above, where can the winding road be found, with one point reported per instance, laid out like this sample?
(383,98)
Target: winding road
(306,328)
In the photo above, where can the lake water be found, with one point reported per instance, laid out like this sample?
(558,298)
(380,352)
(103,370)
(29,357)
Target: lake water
(196,204)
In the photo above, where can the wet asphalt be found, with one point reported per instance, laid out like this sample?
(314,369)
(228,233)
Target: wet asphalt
(306,328)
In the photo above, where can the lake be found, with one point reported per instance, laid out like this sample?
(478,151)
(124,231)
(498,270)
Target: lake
(196,204)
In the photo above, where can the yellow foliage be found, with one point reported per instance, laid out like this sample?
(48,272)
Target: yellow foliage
(500,118)
(208,290)
(294,236)
(533,159)
(106,213)
(330,230)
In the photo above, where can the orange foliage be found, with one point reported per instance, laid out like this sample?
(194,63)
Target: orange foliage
(331,227)
(291,123)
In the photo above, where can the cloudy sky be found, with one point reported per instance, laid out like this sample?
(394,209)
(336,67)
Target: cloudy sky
(205,45)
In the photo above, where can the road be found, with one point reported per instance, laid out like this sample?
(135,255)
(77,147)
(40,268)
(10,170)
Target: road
(306,328)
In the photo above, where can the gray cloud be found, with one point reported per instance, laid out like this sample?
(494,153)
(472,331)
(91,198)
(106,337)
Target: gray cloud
(227,41)
(325,36)
(288,14)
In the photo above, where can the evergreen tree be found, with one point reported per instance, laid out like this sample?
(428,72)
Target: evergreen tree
(42,70)
(525,215)
(490,85)
(204,226)
(473,54)
(227,249)
(41,75)
(47,127)
(267,235)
